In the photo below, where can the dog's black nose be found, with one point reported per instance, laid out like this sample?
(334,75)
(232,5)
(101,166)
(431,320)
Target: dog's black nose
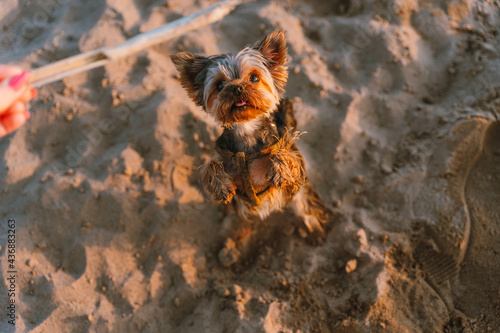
(237,90)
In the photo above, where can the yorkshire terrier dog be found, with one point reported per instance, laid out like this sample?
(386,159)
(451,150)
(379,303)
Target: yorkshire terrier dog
(256,161)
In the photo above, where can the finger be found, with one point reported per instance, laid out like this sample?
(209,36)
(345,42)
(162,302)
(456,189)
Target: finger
(12,89)
(11,121)
(28,95)
(9,71)
(17,107)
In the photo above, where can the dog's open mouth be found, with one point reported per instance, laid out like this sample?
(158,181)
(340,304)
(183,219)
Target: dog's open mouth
(240,105)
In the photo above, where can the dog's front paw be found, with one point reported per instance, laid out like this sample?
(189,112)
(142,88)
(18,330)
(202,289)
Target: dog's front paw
(223,194)
(276,178)
(286,171)
(217,182)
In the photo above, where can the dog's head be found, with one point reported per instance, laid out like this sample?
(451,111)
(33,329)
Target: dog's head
(237,87)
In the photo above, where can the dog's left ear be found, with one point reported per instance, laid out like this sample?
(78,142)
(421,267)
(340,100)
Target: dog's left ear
(273,48)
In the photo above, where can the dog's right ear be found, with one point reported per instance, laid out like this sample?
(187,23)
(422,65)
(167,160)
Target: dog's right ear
(191,69)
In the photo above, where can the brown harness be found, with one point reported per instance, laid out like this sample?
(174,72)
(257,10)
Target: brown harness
(241,160)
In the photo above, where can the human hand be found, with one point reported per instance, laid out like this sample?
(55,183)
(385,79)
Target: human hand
(14,94)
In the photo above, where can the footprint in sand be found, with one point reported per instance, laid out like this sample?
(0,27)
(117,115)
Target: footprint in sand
(479,279)
(456,237)
(456,233)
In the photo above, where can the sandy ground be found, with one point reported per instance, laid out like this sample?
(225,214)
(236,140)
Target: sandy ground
(113,233)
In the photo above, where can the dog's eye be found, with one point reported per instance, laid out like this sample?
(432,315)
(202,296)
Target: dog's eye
(220,86)
(254,78)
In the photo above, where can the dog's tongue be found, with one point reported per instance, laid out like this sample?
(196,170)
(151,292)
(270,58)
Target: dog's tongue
(240,103)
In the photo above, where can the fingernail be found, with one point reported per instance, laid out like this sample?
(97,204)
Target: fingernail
(34,93)
(27,115)
(18,81)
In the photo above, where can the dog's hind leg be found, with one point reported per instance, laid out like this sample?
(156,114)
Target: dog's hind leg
(310,208)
